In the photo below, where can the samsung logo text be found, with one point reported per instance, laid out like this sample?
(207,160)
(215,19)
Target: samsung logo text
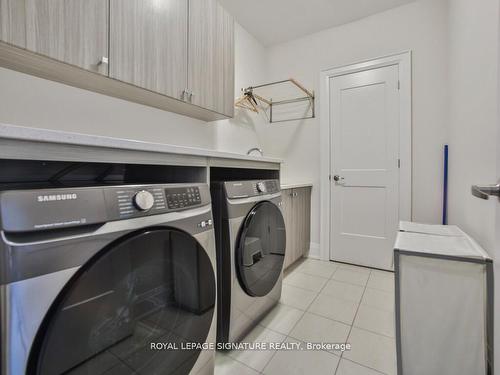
(57,197)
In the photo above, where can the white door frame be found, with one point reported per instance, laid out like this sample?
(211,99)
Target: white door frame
(403,61)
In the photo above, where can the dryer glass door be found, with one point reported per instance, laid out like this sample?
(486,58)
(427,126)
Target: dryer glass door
(154,286)
(261,249)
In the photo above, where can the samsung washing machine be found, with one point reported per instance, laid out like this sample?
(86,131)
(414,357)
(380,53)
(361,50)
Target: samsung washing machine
(250,240)
(107,280)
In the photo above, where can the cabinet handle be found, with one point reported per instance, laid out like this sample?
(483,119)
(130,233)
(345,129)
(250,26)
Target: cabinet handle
(187,95)
(295,194)
(103,61)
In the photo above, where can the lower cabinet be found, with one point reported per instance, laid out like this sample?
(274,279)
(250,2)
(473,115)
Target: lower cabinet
(296,206)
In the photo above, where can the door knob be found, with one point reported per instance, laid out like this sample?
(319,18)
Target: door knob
(338,179)
(484,191)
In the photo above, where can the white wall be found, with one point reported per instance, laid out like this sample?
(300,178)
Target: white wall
(30,101)
(241,133)
(420,26)
(473,114)
(474,126)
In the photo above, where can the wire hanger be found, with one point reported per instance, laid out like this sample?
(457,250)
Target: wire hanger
(247,101)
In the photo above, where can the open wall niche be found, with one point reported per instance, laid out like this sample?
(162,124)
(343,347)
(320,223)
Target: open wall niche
(40,173)
(242,174)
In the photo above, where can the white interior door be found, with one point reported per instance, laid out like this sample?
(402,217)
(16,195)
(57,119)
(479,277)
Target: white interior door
(364,128)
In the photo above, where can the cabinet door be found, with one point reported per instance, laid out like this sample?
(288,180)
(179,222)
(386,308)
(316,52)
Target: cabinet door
(302,210)
(211,56)
(298,222)
(287,209)
(148,44)
(13,22)
(307,218)
(297,211)
(72,31)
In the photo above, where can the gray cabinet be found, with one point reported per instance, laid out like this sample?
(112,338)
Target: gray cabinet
(296,207)
(13,22)
(211,56)
(71,31)
(288,214)
(177,55)
(148,44)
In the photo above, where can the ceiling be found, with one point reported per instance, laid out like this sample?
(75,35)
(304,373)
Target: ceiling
(277,21)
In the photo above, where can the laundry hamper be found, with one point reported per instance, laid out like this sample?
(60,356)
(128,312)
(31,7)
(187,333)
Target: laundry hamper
(436,229)
(444,303)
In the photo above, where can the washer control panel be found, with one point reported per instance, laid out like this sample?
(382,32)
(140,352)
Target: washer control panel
(251,188)
(183,197)
(260,187)
(44,209)
(144,200)
(131,200)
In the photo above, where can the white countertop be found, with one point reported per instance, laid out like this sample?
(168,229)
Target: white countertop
(296,185)
(63,137)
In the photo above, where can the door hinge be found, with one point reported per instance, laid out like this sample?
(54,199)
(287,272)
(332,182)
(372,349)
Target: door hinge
(399,85)
(399,163)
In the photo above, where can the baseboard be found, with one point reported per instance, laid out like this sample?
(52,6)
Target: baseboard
(314,251)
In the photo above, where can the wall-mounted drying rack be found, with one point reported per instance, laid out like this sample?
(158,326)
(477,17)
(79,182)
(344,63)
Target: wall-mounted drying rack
(285,100)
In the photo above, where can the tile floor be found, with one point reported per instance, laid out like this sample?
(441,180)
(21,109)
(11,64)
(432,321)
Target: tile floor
(325,302)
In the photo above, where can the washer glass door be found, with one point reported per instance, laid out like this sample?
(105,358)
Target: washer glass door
(154,286)
(260,251)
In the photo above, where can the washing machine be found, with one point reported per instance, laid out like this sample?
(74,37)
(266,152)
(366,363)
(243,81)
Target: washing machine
(250,241)
(107,280)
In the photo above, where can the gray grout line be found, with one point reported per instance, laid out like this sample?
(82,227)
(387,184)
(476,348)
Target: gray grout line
(298,320)
(241,363)
(353,320)
(333,320)
(275,352)
(309,290)
(303,312)
(374,333)
(365,366)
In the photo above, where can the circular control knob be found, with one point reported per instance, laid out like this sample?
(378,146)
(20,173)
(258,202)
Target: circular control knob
(144,200)
(261,187)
